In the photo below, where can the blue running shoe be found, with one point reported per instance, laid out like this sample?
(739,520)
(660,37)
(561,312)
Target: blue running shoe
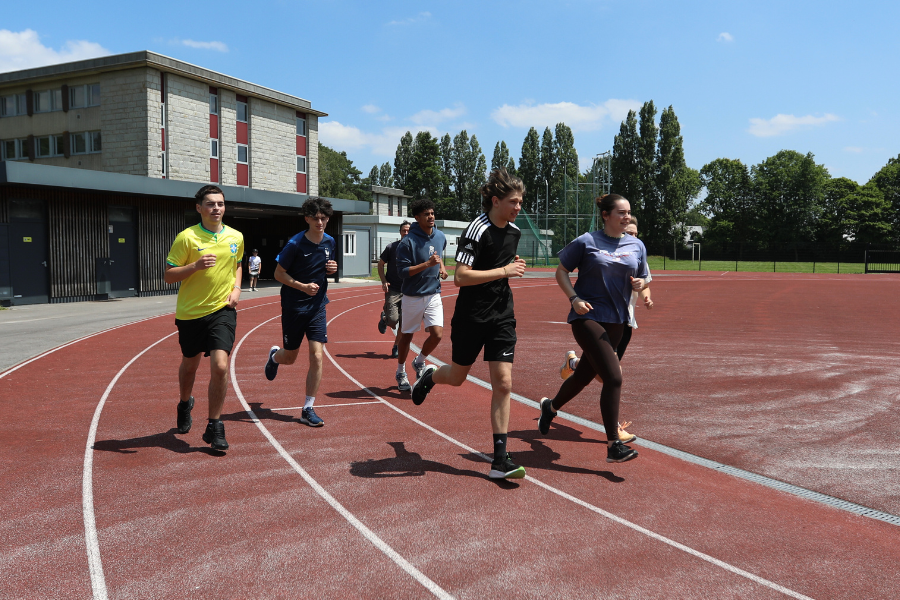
(309,417)
(271,365)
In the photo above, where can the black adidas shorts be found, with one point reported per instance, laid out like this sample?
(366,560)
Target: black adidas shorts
(497,339)
(215,331)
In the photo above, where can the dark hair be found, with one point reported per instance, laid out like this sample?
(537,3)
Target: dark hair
(405,223)
(607,203)
(316,205)
(255,250)
(633,220)
(420,206)
(205,191)
(499,184)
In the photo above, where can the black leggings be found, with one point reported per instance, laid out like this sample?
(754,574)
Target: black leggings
(626,337)
(598,343)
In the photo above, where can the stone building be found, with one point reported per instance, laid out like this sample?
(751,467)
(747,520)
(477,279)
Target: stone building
(118,145)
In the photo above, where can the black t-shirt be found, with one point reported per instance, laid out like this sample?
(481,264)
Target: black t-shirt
(484,246)
(389,255)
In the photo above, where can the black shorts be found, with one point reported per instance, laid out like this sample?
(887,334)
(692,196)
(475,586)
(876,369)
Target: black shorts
(467,339)
(215,331)
(294,326)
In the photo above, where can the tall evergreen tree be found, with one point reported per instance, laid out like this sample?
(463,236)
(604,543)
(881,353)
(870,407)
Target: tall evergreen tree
(375,176)
(567,166)
(402,160)
(625,162)
(511,166)
(549,167)
(477,178)
(676,183)
(500,159)
(446,167)
(425,178)
(530,168)
(648,201)
(385,178)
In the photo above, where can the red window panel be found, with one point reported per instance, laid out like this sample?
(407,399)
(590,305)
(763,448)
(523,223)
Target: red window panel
(301,183)
(214,170)
(163,132)
(241,98)
(301,145)
(214,126)
(243,174)
(213,90)
(242,133)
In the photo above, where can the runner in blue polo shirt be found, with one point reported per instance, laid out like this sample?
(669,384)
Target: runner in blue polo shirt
(303,265)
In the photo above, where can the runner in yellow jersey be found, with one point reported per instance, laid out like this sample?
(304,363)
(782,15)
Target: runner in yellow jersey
(206,259)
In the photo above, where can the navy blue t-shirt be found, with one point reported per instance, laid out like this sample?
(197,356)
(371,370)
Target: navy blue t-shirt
(305,261)
(392,274)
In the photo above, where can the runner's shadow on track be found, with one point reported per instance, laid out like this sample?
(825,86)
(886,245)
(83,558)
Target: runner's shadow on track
(391,392)
(542,456)
(368,354)
(263,414)
(356,394)
(406,464)
(166,441)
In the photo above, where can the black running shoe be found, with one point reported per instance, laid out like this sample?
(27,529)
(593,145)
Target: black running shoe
(271,365)
(215,435)
(619,452)
(184,415)
(423,385)
(395,352)
(382,326)
(506,469)
(546,416)
(309,417)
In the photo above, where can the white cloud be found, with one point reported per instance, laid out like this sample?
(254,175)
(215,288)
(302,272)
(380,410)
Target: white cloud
(854,149)
(725,37)
(371,109)
(780,124)
(346,137)
(579,118)
(431,118)
(217,46)
(422,16)
(24,50)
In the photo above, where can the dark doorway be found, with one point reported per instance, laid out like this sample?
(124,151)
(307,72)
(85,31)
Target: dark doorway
(123,277)
(28,255)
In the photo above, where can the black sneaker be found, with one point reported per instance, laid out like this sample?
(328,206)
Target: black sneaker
(546,416)
(506,469)
(271,365)
(215,435)
(309,417)
(382,326)
(423,385)
(619,452)
(184,415)
(395,352)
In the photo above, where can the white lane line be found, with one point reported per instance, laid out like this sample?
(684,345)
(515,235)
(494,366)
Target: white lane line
(98,581)
(370,535)
(696,553)
(325,405)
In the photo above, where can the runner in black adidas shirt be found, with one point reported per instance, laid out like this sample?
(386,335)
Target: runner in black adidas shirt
(485,260)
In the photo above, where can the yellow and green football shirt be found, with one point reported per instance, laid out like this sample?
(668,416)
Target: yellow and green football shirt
(206,291)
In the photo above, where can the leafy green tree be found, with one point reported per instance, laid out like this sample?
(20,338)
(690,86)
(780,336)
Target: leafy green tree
(501,156)
(477,179)
(375,176)
(647,205)
(887,180)
(386,178)
(338,178)
(402,160)
(676,183)
(549,165)
(511,166)
(425,178)
(529,169)
(625,160)
(854,212)
(729,203)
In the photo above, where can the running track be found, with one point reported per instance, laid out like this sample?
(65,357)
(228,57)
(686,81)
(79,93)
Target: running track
(102,499)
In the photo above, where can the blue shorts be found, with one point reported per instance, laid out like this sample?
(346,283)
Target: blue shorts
(294,326)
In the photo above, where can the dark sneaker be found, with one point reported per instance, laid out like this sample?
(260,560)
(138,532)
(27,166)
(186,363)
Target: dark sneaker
(423,385)
(184,415)
(395,352)
(382,326)
(309,417)
(546,416)
(403,382)
(420,368)
(215,435)
(506,469)
(619,452)
(271,365)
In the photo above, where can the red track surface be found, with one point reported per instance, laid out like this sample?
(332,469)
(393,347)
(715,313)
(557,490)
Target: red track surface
(806,360)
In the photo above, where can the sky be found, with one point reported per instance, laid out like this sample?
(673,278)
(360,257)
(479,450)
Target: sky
(745,79)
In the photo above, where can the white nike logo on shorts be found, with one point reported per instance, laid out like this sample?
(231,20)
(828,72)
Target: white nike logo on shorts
(307,254)
(507,353)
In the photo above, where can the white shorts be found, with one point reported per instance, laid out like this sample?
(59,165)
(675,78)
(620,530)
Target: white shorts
(418,309)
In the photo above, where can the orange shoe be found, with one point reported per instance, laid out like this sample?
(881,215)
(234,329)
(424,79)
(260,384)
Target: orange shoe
(624,436)
(566,371)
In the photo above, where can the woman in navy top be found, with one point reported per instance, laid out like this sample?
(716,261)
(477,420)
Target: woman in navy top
(610,265)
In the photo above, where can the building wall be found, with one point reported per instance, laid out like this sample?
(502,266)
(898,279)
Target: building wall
(228,136)
(312,154)
(124,103)
(187,131)
(273,146)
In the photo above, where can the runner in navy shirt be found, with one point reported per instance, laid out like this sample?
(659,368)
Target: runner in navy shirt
(391,282)
(610,266)
(303,265)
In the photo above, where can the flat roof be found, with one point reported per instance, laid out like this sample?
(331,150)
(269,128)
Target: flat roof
(24,173)
(145,58)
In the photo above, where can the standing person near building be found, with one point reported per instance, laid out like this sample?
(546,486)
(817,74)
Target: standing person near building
(421,267)
(206,259)
(254,264)
(572,360)
(391,282)
(484,318)
(611,265)
(301,268)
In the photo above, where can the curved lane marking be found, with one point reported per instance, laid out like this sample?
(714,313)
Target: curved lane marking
(367,533)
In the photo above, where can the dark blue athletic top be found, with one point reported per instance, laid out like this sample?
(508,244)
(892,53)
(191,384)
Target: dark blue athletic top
(305,262)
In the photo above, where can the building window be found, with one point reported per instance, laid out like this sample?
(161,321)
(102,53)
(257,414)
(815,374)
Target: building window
(243,152)
(47,101)
(301,126)
(213,104)
(86,142)
(243,112)
(214,148)
(10,106)
(81,96)
(43,147)
(13,149)
(301,164)
(349,243)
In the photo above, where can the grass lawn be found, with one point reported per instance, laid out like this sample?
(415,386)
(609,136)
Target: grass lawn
(657,263)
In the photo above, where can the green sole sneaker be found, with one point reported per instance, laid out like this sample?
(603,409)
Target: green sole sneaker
(506,470)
